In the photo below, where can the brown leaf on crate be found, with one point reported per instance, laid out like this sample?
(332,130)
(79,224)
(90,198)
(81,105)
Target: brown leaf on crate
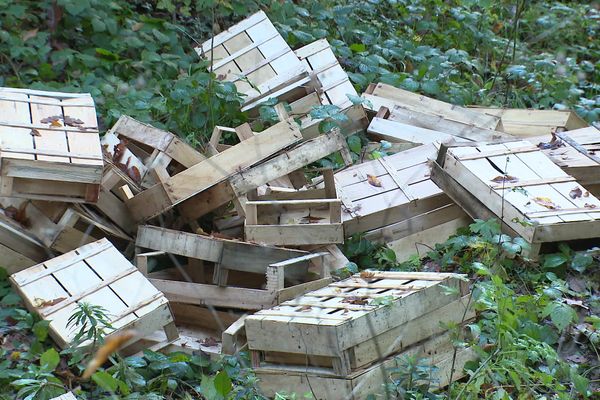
(575,193)
(359,300)
(35,132)
(367,274)
(49,120)
(209,342)
(505,179)
(310,219)
(70,121)
(41,303)
(373,181)
(553,144)
(55,123)
(590,206)
(546,202)
(119,150)
(25,36)
(134,173)
(304,308)
(111,345)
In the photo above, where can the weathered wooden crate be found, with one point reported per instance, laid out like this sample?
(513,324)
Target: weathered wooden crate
(284,163)
(254,56)
(157,154)
(97,274)
(355,322)
(398,192)
(223,273)
(302,217)
(574,152)
(19,248)
(421,111)
(50,147)
(445,365)
(518,183)
(527,122)
(202,176)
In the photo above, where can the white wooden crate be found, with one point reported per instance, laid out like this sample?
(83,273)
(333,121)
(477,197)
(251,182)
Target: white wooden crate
(97,274)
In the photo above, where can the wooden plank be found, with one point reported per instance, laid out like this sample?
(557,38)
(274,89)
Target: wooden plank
(210,172)
(398,132)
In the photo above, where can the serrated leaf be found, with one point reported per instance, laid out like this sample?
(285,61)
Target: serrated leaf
(561,314)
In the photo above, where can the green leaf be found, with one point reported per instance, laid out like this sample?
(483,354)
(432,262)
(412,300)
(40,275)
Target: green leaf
(560,313)
(581,261)
(40,330)
(106,381)
(581,383)
(554,260)
(50,360)
(223,383)
(327,126)
(358,47)
(354,144)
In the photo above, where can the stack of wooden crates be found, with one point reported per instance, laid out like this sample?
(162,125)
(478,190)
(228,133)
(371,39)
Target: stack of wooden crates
(343,341)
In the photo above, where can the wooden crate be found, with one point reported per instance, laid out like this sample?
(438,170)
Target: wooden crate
(254,56)
(405,193)
(536,199)
(417,110)
(19,248)
(355,322)
(97,274)
(50,147)
(303,217)
(527,122)
(436,354)
(284,163)
(202,176)
(224,273)
(156,153)
(574,152)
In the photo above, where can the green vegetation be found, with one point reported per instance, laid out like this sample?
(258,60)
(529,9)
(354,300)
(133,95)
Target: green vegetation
(538,332)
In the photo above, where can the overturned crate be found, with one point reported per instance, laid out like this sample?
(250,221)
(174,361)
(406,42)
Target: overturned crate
(417,110)
(50,146)
(203,270)
(517,183)
(154,153)
(99,275)
(254,56)
(302,217)
(526,123)
(343,335)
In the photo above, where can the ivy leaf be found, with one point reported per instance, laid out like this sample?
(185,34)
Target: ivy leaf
(354,144)
(581,261)
(487,229)
(327,125)
(223,383)
(554,260)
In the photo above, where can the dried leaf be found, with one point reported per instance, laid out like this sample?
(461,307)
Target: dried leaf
(359,300)
(41,303)
(591,206)
(505,179)
(586,194)
(367,274)
(119,151)
(304,308)
(546,202)
(29,34)
(137,26)
(134,173)
(70,121)
(111,345)
(575,193)
(35,132)
(573,302)
(553,144)
(209,342)
(373,180)
(51,119)
(55,123)
(309,219)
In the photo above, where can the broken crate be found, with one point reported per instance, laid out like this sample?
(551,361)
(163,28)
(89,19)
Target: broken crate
(99,275)
(50,146)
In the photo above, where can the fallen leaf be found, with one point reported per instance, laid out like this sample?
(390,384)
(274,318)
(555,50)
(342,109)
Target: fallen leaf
(55,123)
(209,342)
(134,173)
(591,206)
(137,26)
(111,345)
(586,194)
(367,274)
(553,144)
(200,231)
(49,120)
(577,284)
(35,132)
(309,219)
(579,303)
(119,151)
(575,193)
(373,180)
(304,308)
(505,179)
(546,202)
(70,121)
(41,303)
(577,358)
(359,300)
(29,34)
